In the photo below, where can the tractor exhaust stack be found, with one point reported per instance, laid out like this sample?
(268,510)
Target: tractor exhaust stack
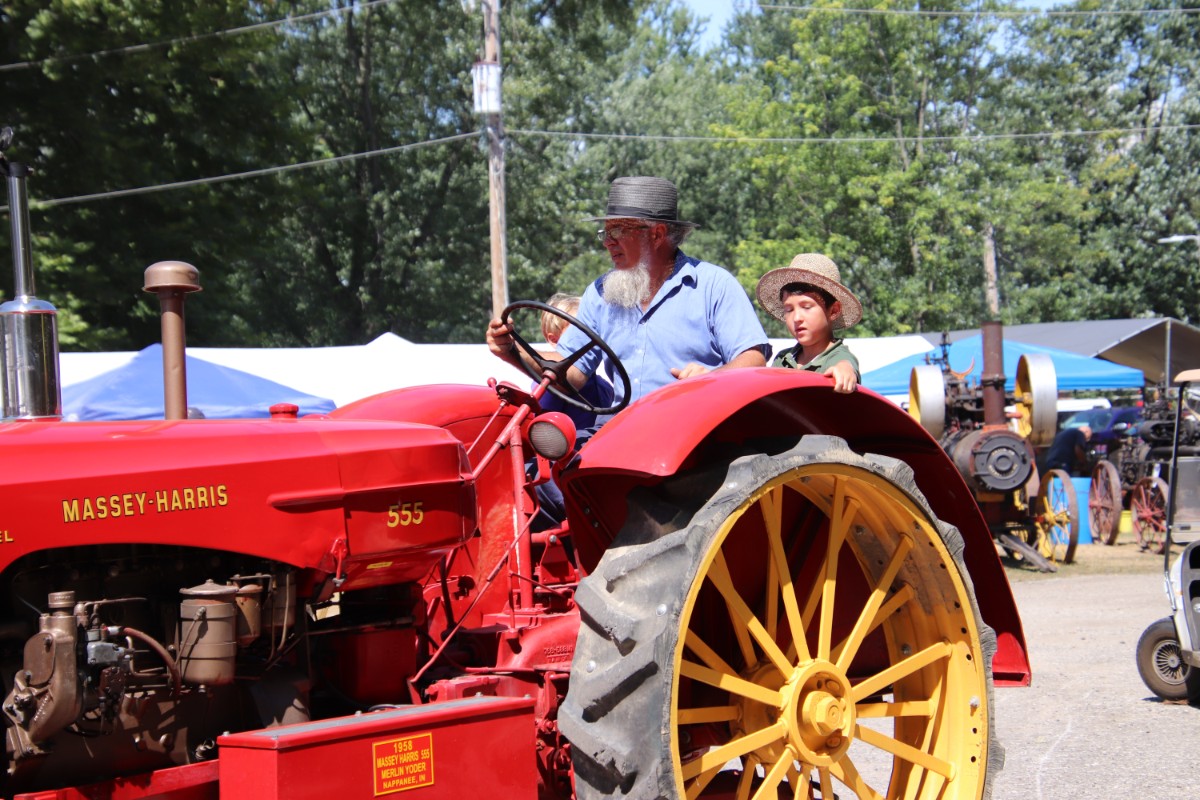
(29,385)
(171,281)
(993,377)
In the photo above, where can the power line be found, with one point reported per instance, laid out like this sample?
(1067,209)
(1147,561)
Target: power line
(270,24)
(832,140)
(237,176)
(1032,12)
(962,137)
(142,48)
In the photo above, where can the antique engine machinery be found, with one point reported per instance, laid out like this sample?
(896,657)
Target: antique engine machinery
(990,435)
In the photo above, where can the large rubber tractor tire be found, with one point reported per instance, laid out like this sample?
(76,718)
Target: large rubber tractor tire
(781,625)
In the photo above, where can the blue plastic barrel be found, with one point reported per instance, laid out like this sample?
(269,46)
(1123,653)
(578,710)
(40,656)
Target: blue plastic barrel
(1082,487)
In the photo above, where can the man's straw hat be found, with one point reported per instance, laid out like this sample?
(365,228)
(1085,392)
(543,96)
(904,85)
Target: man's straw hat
(815,269)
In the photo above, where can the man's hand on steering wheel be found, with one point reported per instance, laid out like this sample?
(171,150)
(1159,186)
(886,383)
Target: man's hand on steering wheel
(504,340)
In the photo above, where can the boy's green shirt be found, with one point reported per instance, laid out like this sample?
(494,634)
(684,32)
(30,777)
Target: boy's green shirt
(837,351)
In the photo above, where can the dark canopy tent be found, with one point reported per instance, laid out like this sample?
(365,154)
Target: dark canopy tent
(1074,372)
(1157,347)
(135,391)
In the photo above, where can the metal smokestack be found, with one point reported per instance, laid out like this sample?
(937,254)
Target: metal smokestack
(993,377)
(29,387)
(172,281)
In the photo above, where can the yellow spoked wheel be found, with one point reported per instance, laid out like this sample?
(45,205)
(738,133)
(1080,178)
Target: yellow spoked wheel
(1055,531)
(809,627)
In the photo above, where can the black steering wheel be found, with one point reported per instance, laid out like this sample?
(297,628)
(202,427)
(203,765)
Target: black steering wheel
(560,387)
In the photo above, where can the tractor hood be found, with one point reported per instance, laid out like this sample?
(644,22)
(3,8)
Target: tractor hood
(338,496)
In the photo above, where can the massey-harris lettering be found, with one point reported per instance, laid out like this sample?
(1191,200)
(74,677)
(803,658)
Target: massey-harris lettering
(133,504)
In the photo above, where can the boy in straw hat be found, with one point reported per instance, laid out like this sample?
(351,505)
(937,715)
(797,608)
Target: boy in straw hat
(808,297)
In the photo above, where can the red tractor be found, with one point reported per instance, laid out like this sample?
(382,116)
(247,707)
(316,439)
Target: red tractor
(761,588)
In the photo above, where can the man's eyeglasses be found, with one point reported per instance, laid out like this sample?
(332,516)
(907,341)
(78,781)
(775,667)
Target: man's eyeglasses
(617,234)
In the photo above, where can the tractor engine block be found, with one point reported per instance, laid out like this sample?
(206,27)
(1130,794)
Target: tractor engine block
(146,681)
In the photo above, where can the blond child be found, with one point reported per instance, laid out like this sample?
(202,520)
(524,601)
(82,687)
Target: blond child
(596,390)
(553,326)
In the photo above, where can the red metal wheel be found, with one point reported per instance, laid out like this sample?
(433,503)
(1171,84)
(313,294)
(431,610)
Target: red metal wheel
(1148,502)
(1104,503)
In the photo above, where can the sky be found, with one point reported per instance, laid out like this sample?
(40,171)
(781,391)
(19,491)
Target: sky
(718,11)
(721,11)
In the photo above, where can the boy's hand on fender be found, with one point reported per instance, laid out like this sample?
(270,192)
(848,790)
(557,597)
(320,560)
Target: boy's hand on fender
(844,380)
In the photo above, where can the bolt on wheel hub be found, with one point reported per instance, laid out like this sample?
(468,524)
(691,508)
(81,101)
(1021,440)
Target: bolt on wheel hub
(814,711)
(820,717)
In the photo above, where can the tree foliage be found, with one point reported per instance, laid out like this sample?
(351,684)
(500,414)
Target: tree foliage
(102,123)
(890,141)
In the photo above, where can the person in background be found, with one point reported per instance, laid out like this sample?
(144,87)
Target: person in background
(809,298)
(1068,452)
(666,315)
(596,391)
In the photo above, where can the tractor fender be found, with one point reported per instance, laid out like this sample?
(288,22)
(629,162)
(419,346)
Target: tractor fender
(689,424)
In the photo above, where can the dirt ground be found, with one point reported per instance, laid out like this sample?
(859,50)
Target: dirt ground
(1122,558)
(1088,727)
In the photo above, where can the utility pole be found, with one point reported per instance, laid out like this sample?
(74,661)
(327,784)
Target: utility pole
(488,103)
(991,285)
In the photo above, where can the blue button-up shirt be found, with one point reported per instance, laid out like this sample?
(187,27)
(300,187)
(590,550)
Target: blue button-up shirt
(700,314)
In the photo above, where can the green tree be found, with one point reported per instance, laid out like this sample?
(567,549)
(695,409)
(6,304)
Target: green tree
(393,237)
(876,187)
(1083,241)
(873,142)
(1146,183)
(399,242)
(388,241)
(656,101)
(90,124)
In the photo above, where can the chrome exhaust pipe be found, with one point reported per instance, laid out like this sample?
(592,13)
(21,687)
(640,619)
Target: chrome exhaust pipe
(29,384)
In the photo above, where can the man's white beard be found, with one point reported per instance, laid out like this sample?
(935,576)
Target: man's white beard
(628,288)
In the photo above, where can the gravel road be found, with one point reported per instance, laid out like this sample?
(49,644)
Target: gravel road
(1088,727)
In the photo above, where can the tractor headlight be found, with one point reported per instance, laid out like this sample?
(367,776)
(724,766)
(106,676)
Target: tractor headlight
(552,435)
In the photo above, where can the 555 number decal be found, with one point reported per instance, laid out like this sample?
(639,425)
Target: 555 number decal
(401,515)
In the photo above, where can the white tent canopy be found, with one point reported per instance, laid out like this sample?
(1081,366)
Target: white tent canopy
(349,373)
(343,374)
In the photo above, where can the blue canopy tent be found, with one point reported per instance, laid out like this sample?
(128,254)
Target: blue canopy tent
(135,391)
(1074,372)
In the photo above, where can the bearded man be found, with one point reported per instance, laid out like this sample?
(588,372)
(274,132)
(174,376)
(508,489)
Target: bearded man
(666,315)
